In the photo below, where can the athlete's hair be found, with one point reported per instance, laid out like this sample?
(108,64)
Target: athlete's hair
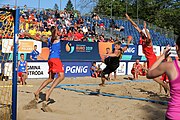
(108,48)
(35,45)
(117,43)
(21,54)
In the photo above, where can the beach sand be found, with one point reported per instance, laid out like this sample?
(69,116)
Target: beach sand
(69,105)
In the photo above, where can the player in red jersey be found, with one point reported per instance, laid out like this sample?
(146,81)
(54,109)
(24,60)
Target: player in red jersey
(147,47)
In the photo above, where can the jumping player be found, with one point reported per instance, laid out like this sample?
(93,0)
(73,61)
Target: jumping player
(54,62)
(172,69)
(145,40)
(22,70)
(112,60)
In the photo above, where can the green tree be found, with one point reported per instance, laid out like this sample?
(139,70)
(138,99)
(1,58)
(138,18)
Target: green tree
(69,6)
(163,13)
(56,7)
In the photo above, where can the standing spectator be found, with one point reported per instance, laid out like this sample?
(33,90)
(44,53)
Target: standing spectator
(34,53)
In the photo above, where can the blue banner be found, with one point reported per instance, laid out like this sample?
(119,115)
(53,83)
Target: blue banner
(77,69)
(79,51)
(132,49)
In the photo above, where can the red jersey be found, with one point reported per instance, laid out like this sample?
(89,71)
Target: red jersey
(149,53)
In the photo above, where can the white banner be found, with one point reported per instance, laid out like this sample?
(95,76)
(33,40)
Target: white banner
(130,65)
(121,70)
(35,70)
(156,50)
(38,70)
(8,70)
(140,51)
(25,45)
(172,51)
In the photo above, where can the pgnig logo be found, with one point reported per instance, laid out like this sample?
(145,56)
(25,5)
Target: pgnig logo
(69,48)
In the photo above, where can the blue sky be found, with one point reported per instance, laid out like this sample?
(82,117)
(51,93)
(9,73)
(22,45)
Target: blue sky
(43,3)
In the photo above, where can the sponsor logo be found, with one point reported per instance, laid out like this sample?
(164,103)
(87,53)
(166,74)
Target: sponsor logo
(76,69)
(34,70)
(69,48)
(130,50)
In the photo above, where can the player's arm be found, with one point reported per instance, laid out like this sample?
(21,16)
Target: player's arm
(26,68)
(31,56)
(133,23)
(147,33)
(41,39)
(127,45)
(158,68)
(18,65)
(115,54)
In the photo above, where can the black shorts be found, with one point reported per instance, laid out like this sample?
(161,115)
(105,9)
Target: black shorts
(109,69)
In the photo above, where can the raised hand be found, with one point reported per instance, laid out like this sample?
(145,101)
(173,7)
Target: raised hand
(166,52)
(144,24)
(127,16)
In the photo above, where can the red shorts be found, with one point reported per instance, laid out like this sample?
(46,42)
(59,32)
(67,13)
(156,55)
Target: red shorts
(133,72)
(55,65)
(150,62)
(164,77)
(20,74)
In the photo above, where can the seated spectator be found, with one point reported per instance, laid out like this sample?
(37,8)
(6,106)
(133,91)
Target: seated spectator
(144,69)
(32,30)
(136,70)
(101,25)
(94,70)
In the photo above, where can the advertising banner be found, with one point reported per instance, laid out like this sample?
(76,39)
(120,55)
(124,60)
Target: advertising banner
(130,65)
(132,50)
(38,70)
(77,69)
(172,51)
(79,51)
(25,45)
(156,50)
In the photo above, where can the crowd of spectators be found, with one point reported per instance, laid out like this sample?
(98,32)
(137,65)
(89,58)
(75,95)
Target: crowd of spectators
(70,24)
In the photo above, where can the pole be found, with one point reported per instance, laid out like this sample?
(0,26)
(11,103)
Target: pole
(15,55)
(39,6)
(16,3)
(75,4)
(60,5)
(137,13)
(126,6)
(111,9)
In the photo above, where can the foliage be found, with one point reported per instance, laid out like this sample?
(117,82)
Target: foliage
(69,6)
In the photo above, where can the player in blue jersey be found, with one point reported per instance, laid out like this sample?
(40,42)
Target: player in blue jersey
(34,53)
(22,69)
(54,62)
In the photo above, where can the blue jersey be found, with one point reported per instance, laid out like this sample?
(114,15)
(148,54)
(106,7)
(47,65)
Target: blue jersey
(34,54)
(54,49)
(22,66)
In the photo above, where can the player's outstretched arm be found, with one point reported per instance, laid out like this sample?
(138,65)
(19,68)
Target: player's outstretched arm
(147,33)
(42,39)
(133,23)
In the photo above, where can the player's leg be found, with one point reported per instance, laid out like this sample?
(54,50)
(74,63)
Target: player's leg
(54,84)
(103,77)
(115,75)
(44,84)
